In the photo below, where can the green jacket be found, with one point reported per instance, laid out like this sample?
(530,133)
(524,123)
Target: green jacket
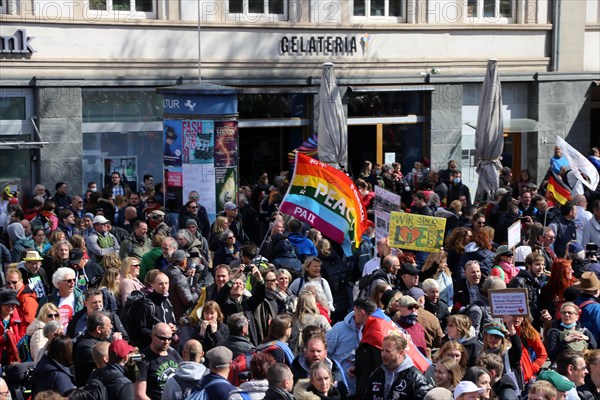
(149,262)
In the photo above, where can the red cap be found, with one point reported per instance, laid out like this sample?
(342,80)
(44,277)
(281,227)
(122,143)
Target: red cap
(121,348)
(370,223)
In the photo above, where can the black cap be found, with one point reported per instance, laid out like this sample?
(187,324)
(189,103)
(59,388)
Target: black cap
(8,296)
(386,297)
(409,269)
(75,256)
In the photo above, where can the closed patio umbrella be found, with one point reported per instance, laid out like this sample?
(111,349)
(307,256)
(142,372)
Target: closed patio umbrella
(333,128)
(489,141)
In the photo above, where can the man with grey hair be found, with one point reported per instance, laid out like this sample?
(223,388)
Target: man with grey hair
(237,339)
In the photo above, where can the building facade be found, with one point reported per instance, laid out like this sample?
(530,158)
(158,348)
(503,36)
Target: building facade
(78,79)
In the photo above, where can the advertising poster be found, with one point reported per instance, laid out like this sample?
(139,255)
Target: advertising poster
(226,135)
(226,186)
(172,142)
(201,178)
(198,141)
(416,232)
(174,189)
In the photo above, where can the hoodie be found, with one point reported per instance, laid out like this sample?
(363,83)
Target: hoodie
(20,242)
(342,341)
(484,256)
(189,372)
(256,389)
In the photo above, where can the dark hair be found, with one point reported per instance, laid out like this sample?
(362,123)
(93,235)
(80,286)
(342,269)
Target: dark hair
(277,374)
(566,208)
(366,304)
(295,226)
(309,331)
(60,350)
(260,364)
(64,213)
(148,176)
(249,250)
(420,195)
(278,326)
(473,373)
(138,223)
(58,184)
(565,358)
(95,320)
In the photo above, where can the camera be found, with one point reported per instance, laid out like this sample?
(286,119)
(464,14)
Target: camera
(591,250)
(247,268)
(136,357)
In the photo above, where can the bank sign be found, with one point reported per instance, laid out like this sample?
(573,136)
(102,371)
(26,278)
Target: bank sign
(19,43)
(327,45)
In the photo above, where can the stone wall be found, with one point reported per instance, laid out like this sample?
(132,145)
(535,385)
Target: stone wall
(446,125)
(59,117)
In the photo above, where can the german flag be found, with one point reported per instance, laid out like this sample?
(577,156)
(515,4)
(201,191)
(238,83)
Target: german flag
(557,189)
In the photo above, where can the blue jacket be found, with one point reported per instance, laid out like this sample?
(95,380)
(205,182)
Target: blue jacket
(342,341)
(54,298)
(217,391)
(590,314)
(304,246)
(51,375)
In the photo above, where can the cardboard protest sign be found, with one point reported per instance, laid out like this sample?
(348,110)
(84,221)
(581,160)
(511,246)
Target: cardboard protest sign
(416,232)
(512,302)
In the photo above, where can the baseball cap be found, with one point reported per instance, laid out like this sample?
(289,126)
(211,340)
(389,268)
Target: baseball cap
(219,357)
(495,328)
(575,247)
(179,256)
(416,293)
(504,250)
(408,269)
(230,205)
(99,219)
(121,348)
(75,256)
(557,380)
(407,301)
(501,192)
(156,213)
(466,387)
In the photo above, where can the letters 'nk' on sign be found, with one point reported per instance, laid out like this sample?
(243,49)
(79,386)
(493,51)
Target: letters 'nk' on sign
(416,232)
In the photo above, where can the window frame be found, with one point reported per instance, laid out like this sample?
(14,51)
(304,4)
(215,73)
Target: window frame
(480,18)
(11,127)
(380,18)
(121,15)
(246,16)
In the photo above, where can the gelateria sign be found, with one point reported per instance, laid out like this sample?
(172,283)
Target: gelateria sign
(317,45)
(19,43)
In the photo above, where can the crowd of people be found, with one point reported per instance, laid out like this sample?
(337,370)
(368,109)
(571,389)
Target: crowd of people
(105,296)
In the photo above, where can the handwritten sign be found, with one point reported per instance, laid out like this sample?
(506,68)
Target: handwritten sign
(416,232)
(514,235)
(509,302)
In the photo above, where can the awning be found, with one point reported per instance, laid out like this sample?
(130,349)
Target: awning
(21,145)
(402,88)
(516,125)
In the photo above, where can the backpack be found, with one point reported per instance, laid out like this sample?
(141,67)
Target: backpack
(187,387)
(24,349)
(272,346)
(18,379)
(239,371)
(133,308)
(40,221)
(201,394)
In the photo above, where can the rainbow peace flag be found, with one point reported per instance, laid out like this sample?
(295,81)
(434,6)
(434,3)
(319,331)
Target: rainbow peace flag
(327,200)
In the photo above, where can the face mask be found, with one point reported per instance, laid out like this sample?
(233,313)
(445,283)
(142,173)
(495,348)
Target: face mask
(456,180)
(409,319)
(377,171)
(571,326)
(94,189)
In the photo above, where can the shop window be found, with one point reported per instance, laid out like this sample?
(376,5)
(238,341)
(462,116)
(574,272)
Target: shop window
(280,105)
(385,104)
(122,106)
(254,10)
(122,8)
(490,10)
(379,9)
(406,141)
(15,164)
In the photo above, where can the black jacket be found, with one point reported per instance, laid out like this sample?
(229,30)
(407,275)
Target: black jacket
(588,390)
(82,356)
(505,388)
(408,384)
(525,279)
(51,375)
(118,387)
(367,358)
(114,319)
(201,218)
(278,393)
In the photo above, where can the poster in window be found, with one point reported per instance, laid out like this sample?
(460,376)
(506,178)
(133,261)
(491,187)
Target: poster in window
(174,188)
(198,144)
(172,142)
(201,178)
(226,135)
(226,185)
(125,166)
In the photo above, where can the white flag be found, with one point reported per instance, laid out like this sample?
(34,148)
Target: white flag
(579,163)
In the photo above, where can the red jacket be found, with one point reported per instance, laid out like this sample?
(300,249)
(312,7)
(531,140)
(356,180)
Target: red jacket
(28,308)
(8,345)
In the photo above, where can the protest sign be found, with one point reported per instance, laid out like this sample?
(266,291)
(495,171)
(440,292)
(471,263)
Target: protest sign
(509,302)
(416,232)
(514,234)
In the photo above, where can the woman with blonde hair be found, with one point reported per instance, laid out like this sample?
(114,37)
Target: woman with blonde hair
(307,313)
(221,223)
(460,329)
(130,272)
(58,256)
(448,373)
(109,286)
(311,272)
(436,268)
(450,350)
(48,312)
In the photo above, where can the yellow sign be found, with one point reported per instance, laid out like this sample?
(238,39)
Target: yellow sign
(416,232)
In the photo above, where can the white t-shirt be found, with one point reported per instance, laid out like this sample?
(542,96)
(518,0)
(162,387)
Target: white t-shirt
(66,309)
(371,265)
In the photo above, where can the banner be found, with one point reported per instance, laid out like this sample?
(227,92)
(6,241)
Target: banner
(416,232)
(327,200)
(379,325)
(557,189)
(385,203)
(579,164)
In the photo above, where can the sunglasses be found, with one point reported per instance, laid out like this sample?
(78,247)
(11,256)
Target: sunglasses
(164,338)
(134,266)
(413,307)
(69,280)
(194,208)
(53,315)
(193,197)
(150,202)
(12,282)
